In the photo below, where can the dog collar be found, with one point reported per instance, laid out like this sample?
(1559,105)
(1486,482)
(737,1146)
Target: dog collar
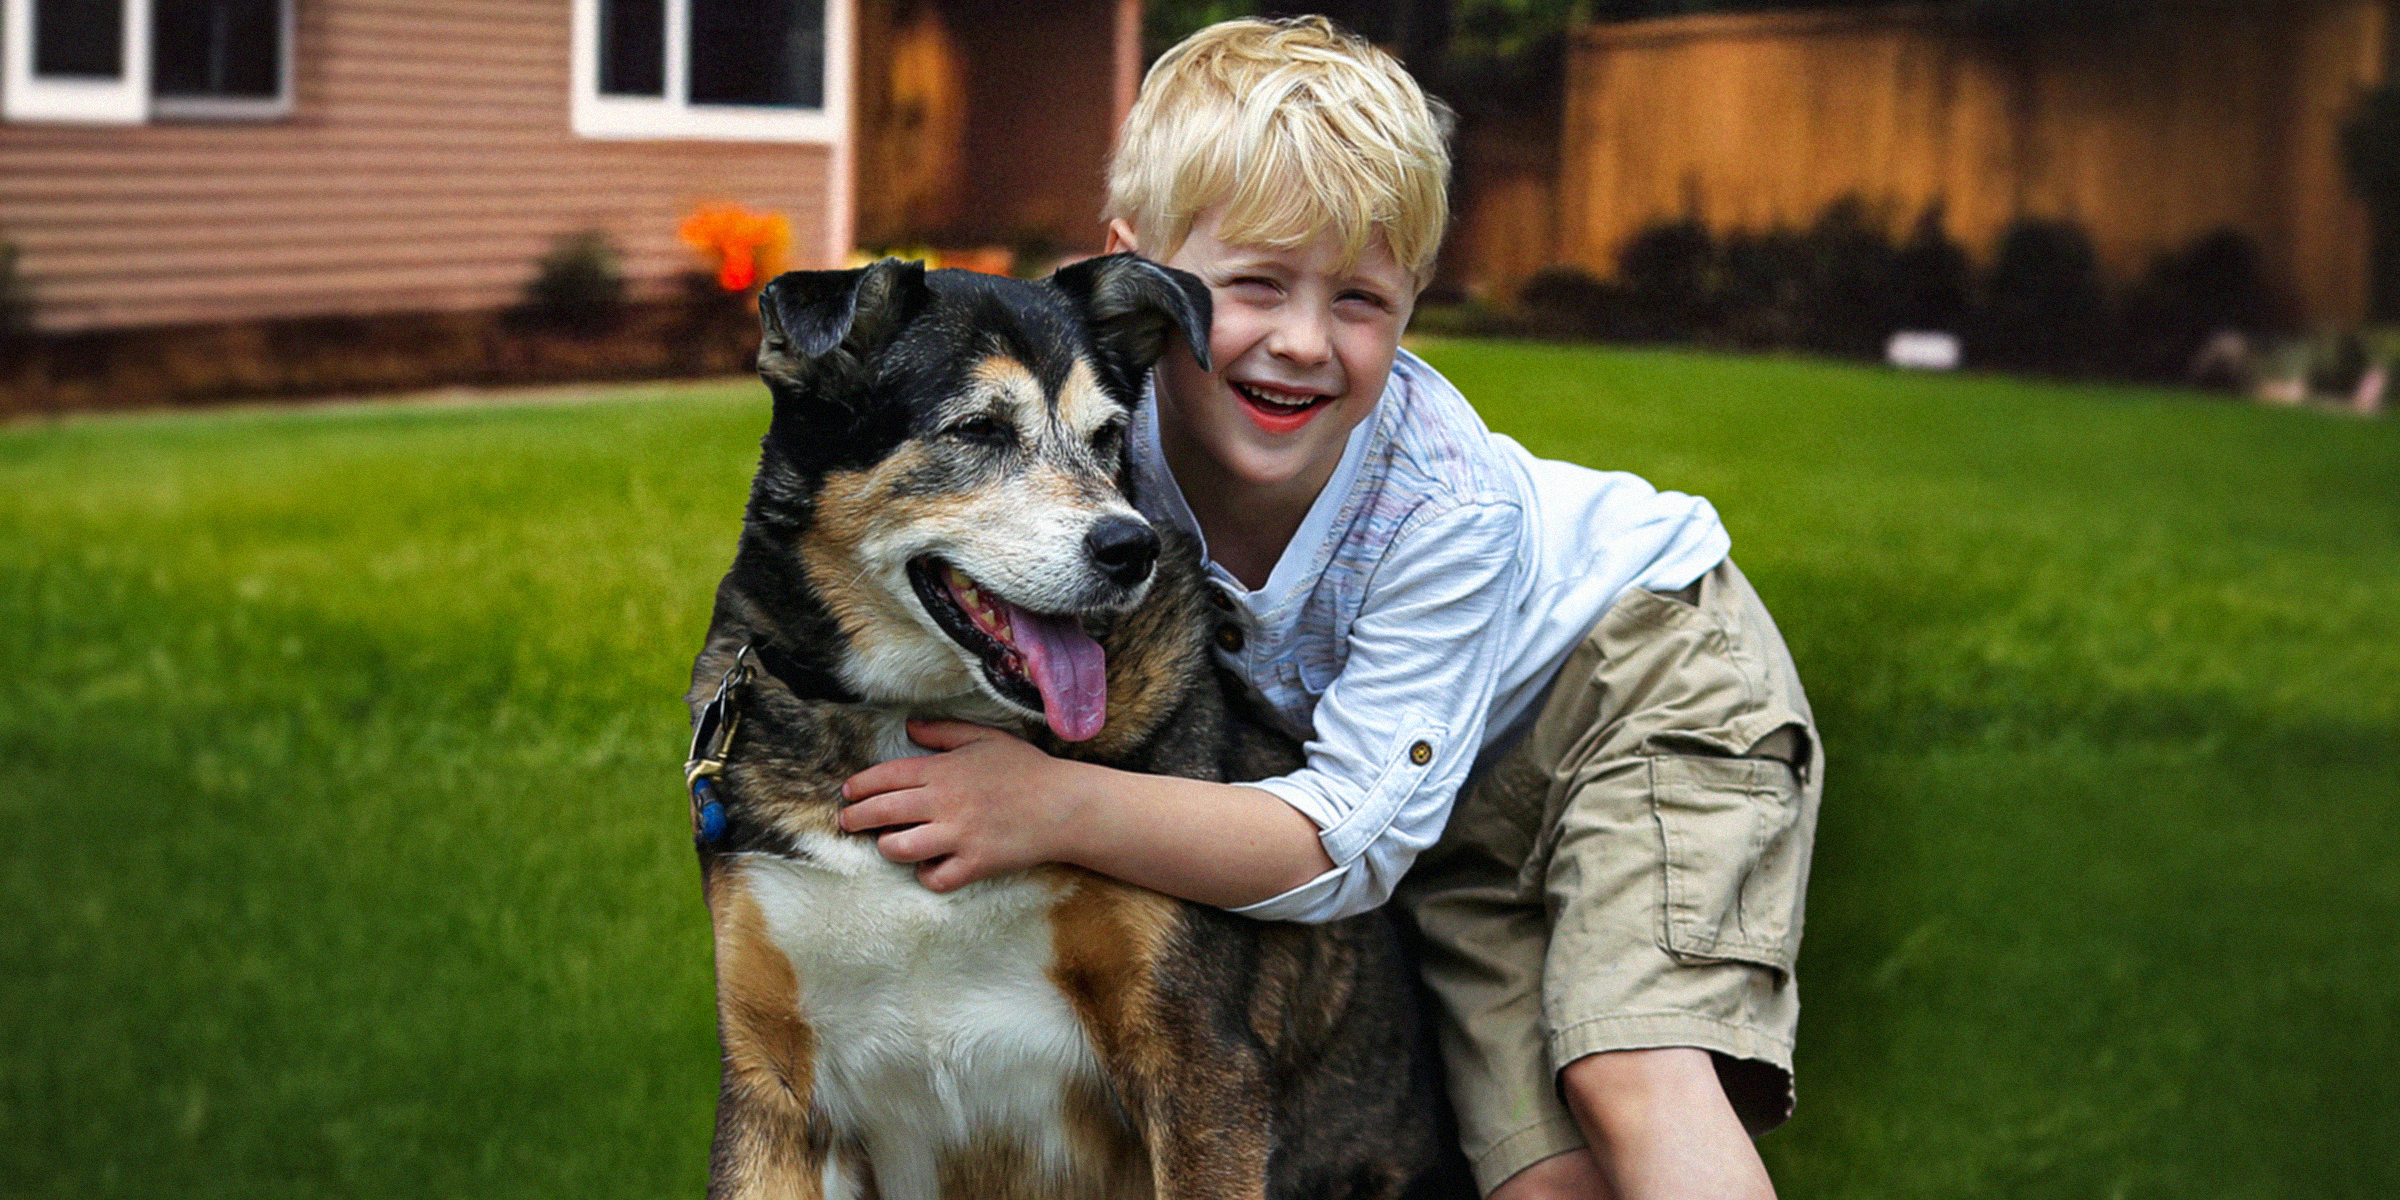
(712,738)
(805,680)
(713,821)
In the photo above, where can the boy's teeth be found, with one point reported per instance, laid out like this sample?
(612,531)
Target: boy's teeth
(1279,399)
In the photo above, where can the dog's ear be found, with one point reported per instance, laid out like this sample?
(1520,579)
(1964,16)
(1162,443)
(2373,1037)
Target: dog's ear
(813,320)
(1133,303)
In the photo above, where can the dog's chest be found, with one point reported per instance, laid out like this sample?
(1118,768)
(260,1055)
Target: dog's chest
(938,1028)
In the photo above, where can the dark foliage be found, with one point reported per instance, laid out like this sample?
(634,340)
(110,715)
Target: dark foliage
(1843,287)
(1565,301)
(1935,280)
(1850,293)
(2043,306)
(16,299)
(579,286)
(1668,272)
(2186,297)
(2371,157)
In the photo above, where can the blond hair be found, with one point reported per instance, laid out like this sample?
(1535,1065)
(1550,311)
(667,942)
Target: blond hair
(1294,127)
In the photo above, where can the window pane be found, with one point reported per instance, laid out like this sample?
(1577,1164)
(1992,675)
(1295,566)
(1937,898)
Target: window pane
(83,38)
(763,52)
(633,47)
(217,48)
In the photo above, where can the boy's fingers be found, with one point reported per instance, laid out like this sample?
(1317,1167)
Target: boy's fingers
(947,873)
(884,777)
(888,810)
(908,844)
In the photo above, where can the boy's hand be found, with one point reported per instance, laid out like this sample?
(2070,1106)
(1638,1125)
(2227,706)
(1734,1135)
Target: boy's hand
(989,802)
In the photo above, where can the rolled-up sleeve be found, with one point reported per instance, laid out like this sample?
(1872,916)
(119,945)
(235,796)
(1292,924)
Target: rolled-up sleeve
(1400,724)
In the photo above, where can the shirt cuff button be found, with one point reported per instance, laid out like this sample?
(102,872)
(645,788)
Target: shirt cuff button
(1421,753)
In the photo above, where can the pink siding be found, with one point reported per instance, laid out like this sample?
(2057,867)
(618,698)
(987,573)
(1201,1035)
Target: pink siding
(428,162)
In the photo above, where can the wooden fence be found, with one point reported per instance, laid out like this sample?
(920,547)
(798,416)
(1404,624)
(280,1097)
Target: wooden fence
(2206,115)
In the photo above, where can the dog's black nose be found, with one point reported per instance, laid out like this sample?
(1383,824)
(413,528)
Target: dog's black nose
(1123,548)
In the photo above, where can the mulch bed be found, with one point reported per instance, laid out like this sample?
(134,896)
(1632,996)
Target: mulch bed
(195,365)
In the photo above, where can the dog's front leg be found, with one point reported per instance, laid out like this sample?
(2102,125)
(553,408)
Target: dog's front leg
(1207,1128)
(766,1148)
(771,1139)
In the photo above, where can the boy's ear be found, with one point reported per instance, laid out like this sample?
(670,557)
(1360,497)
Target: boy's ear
(813,321)
(1132,304)
(1121,236)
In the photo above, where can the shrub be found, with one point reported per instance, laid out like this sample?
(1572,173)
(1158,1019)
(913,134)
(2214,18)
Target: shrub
(1668,272)
(578,285)
(2371,159)
(1850,289)
(2188,296)
(1564,301)
(1934,280)
(16,299)
(2043,307)
(1762,286)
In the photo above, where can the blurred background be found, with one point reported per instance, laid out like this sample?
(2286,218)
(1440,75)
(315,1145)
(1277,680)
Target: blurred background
(2034,351)
(215,198)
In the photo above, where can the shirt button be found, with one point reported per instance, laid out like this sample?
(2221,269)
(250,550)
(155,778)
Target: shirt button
(1229,638)
(1217,596)
(1421,753)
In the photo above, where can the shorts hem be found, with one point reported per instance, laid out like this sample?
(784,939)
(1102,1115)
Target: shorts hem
(1650,1031)
(1546,1138)
(1754,1066)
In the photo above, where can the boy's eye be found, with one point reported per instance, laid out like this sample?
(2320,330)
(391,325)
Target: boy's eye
(985,430)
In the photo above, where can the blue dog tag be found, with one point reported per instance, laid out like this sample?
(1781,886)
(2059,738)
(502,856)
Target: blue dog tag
(708,812)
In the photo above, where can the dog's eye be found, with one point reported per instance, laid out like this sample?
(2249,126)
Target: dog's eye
(1108,441)
(985,431)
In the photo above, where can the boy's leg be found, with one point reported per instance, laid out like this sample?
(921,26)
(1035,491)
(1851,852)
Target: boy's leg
(1636,863)
(1660,1127)
(1481,947)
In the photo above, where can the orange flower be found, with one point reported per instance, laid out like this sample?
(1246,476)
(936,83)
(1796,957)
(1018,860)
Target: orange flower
(746,246)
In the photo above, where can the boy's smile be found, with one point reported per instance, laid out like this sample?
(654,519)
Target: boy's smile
(1276,410)
(1303,345)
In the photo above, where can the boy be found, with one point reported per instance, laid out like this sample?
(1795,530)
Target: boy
(1611,913)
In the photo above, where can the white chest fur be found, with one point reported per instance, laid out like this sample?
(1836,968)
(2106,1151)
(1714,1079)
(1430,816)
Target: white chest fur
(937,1022)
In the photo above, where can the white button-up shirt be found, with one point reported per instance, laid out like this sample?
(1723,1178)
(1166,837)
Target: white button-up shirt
(1417,616)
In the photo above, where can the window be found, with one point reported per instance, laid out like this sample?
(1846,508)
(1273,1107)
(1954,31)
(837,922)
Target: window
(126,61)
(751,70)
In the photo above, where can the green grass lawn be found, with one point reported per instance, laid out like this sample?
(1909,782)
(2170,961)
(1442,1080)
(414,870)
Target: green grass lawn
(346,854)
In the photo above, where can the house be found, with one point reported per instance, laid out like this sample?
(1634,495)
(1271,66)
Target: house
(165,162)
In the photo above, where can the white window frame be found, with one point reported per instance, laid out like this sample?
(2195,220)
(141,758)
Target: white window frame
(670,115)
(127,99)
(25,96)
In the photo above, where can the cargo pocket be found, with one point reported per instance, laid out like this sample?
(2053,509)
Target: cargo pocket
(1736,850)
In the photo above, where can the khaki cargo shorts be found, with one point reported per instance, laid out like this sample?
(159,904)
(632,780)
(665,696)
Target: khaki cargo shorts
(1630,875)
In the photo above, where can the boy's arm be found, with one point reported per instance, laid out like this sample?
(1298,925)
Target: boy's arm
(995,803)
(1396,732)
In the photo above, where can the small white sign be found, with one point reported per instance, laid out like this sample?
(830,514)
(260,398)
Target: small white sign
(1922,350)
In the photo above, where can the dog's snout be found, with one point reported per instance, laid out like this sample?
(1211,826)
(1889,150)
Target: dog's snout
(1123,549)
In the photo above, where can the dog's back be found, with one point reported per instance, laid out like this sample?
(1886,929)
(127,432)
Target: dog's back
(1054,1033)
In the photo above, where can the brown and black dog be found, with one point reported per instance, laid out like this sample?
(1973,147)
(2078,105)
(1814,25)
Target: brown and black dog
(939,526)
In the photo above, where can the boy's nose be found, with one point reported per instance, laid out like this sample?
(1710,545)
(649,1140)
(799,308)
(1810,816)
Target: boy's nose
(1302,337)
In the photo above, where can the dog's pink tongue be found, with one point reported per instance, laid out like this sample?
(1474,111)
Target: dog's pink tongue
(1070,669)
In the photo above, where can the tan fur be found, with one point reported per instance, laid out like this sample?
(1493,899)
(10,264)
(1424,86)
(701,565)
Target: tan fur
(770,1053)
(850,507)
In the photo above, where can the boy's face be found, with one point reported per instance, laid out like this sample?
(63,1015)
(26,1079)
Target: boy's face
(1302,347)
